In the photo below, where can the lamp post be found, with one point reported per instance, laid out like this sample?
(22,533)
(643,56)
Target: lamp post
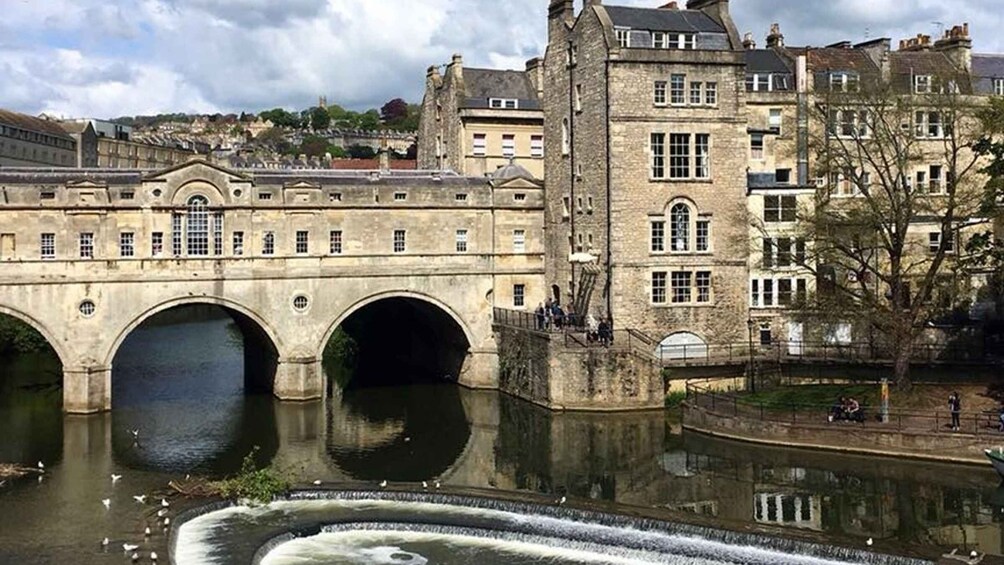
(752,375)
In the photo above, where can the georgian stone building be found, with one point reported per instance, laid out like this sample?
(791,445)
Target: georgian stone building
(646,129)
(27,141)
(475,121)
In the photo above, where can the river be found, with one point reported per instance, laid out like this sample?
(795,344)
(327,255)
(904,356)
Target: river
(181,386)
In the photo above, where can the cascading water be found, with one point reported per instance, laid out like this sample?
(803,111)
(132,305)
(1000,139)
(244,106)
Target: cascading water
(418,528)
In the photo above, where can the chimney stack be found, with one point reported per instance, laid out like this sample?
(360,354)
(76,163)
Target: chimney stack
(718,10)
(674,5)
(748,41)
(775,39)
(957,46)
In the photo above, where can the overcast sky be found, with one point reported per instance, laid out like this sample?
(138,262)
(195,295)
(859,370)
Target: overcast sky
(105,58)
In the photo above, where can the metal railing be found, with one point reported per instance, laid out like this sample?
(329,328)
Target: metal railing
(733,405)
(736,354)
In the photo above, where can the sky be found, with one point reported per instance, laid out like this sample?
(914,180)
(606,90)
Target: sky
(108,58)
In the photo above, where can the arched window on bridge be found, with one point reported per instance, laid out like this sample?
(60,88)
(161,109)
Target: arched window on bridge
(202,230)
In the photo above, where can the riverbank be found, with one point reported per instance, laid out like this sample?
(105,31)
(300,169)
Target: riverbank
(920,427)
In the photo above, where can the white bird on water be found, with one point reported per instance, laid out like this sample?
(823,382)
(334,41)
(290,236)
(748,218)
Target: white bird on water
(140,498)
(135,557)
(135,433)
(127,547)
(167,522)
(115,478)
(562,500)
(164,503)
(973,554)
(870,542)
(41,466)
(317,483)
(437,484)
(107,502)
(161,512)
(104,542)
(383,483)
(425,485)
(146,532)
(153,556)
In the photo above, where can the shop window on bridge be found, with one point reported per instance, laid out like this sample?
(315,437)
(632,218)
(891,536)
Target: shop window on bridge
(681,346)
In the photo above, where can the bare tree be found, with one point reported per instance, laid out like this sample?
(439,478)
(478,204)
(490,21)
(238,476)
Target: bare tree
(901,185)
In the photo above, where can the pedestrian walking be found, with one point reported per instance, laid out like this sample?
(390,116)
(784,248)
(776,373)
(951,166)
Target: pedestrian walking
(539,313)
(955,407)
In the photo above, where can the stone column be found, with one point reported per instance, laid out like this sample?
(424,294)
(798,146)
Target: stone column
(299,379)
(87,389)
(480,369)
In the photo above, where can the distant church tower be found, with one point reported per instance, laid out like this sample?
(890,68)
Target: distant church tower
(322,102)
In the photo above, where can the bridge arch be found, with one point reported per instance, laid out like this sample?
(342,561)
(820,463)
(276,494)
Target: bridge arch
(224,303)
(682,345)
(41,328)
(372,299)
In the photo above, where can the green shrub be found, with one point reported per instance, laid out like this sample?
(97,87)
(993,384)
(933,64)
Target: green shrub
(260,486)
(675,399)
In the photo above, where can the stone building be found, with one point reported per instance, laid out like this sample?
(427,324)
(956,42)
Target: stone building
(646,134)
(27,141)
(109,145)
(475,121)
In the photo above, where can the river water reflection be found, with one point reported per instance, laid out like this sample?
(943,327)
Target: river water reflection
(181,386)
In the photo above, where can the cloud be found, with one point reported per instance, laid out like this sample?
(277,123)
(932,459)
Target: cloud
(112,57)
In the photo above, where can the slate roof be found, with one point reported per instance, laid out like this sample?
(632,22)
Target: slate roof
(31,123)
(511,171)
(765,61)
(652,19)
(838,59)
(492,83)
(988,66)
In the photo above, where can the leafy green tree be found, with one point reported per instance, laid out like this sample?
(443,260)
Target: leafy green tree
(320,119)
(361,152)
(394,111)
(370,121)
(314,146)
(281,118)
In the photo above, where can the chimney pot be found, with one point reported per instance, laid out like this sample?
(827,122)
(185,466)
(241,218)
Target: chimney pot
(748,41)
(670,6)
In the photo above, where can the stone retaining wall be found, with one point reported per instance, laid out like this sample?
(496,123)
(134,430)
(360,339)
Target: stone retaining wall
(846,437)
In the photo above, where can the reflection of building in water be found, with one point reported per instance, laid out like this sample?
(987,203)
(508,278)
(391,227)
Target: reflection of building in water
(797,510)
(349,429)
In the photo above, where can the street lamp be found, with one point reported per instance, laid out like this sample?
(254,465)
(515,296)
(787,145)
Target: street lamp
(752,376)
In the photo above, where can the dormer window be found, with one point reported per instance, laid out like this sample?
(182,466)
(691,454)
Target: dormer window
(999,87)
(922,84)
(623,36)
(759,82)
(660,40)
(844,82)
(503,103)
(683,41)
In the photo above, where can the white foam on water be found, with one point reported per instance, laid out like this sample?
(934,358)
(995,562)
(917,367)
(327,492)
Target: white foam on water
(351,548)
(198,542)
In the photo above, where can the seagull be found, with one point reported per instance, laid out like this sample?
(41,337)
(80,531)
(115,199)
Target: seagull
(161,512)
(104,542)
(135,433)
(153,556)
(115,478)
(561,500)
(425,485)
(140,498)
(383,483)
(870,542)
(187,477)
(167,522)
(437,484)
(135,557)
(146,532)
(164,503)
(41,466)
(407,439)
(127,547)
(317,483)
(107,502)
(973,554)
(2,483)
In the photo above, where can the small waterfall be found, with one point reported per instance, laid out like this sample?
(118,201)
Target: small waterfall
(508,525)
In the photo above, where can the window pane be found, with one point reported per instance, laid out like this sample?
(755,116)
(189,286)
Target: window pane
(680,227)
(658,148)
(658,288)
(702,156)
(658,237)
(679,156)
(198,226)
(681,287)
(677,86)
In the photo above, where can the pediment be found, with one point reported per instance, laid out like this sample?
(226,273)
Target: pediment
(86,184)
(519,183)
(302,184)
(196,168)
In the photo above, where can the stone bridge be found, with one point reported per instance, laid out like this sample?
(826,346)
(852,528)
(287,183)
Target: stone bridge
(87,256)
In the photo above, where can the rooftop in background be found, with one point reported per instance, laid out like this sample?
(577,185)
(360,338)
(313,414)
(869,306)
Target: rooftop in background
(482,85)
(31,123)
(663,19)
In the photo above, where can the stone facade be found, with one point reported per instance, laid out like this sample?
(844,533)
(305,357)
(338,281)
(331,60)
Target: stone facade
(475,121)
(89,255)
(610,182)
(26,141)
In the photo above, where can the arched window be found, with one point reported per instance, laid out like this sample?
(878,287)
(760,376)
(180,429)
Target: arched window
(679,218)
(682,346)
(197,233)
